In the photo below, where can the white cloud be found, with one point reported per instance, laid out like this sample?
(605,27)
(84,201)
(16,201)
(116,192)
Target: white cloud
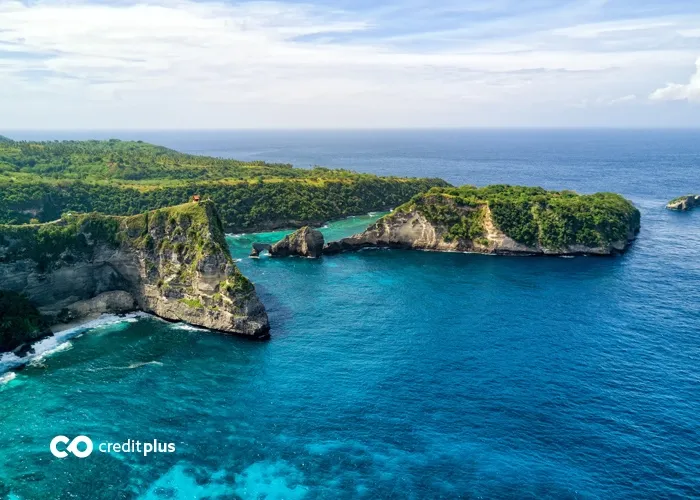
(602,102)
(623,99)
(679,91)
(209,64)
(595,30)
(690,33)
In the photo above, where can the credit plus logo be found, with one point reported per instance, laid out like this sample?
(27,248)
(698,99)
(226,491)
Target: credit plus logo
(72,448)
(82,446)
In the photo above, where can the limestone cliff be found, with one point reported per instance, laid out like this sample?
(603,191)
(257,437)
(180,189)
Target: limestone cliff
(684,202)
(505,220)
(171,262)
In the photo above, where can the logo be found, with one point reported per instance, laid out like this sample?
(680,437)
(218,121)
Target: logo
(73,447)
(82,447)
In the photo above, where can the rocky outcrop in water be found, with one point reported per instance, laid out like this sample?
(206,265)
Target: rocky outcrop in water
(172,262)
(259,248)
(684,202)
(504,220)
(305,242)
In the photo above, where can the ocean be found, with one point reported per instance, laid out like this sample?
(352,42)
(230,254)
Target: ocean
(397,374)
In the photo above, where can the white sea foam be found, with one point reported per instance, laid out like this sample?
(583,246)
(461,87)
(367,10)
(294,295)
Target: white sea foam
(7,377)
(60,341)
(45,353)
(144,363)
(189,328)
(132,366)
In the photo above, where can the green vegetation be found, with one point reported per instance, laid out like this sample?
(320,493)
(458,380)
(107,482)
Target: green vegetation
(681,198)
(462,218)
(529,215)
(45,243)
(195,233)
(193,303)
(20,321)
(42,180)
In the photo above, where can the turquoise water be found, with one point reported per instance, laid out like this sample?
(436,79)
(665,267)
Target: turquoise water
(394,374)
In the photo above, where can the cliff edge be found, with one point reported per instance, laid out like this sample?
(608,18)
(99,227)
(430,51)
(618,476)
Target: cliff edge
(171,262)
(504,220)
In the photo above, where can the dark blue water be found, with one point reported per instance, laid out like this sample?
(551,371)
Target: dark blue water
(397,374)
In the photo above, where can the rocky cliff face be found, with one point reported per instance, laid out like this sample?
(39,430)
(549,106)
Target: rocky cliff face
(442,221)
(20,321)
(305,242)
(171,262)
(684,202)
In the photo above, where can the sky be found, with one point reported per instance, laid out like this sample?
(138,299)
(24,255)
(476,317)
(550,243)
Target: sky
(200,64)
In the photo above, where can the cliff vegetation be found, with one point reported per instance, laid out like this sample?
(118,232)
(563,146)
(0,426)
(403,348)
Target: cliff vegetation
(39,181)
(529,215)
(504,220)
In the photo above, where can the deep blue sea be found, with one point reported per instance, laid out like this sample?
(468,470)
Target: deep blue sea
(397,374)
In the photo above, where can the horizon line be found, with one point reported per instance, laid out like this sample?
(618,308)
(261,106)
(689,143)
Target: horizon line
(351,129)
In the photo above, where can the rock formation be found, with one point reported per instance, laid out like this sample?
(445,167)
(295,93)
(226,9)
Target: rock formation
(305,242)
(258,248)
(503,220)
(172,262)
(684,202)
(20,322)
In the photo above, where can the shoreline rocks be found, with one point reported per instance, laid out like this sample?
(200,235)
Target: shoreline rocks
(259,248)
(684,203)
(304,242)
(21,323)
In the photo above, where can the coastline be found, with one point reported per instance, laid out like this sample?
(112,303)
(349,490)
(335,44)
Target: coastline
(64,332)
(61,338)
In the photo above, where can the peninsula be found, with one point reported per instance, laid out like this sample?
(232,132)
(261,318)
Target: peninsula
(504,220)
(172,262)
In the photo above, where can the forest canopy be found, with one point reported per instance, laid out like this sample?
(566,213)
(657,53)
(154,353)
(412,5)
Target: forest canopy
(39,181)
